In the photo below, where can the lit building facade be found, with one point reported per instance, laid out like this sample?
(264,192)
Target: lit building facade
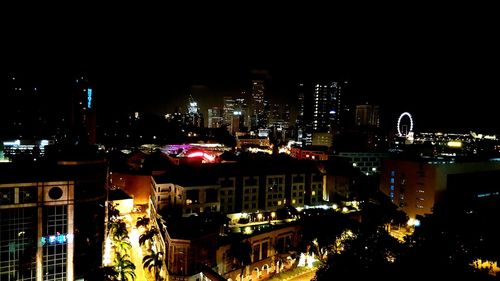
(415,186)
(194,117)
(322,139)
(275,192)
(259,116)
(37,231)
(297,192)
(327,106)
(314,191)
(228,110)
(265,248)
(215,119)
(239,188)
(309,153)
(47,213)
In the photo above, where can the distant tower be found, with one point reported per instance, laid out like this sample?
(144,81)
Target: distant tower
(215,119)
(258,105)
(367,115)
(286,113)
(301,106)
(241,109)
(83,114)
(275,113)
(195,118)
(228,110)
(322,108)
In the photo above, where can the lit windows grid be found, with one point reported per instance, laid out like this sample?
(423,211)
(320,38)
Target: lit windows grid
(275,191)
(391,193)
(54,261)
(298,183)
(17,235)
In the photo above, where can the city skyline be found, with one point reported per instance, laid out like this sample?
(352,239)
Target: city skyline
(431,112)
(442,71)
(180,145)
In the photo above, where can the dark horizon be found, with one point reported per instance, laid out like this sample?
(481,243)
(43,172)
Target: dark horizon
(444,75)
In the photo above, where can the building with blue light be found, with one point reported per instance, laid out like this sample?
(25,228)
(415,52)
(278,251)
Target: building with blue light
(51,224)
(416,185)
(83,114)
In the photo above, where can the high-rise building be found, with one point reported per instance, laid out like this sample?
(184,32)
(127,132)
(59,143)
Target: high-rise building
(228,110)
(275,114)
(286,114)
(367,115)
(215,119)
(83,114)
(304,118)
(258,105)
(327,106)
(301,106)
(235,113)
(194,116)
(241,109)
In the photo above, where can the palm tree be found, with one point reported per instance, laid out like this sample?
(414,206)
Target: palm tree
(148,235)
(124,267)
(142,221)
(118,230)
(123,245)
(113,211)
(153,261)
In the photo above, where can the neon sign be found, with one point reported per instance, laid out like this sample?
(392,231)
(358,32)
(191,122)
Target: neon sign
(89,97)
(206,157)
(57,239)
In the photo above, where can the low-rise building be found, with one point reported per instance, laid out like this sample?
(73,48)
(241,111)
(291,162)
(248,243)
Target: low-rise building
(269,254)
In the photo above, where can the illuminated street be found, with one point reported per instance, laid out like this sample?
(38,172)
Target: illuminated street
(136,253)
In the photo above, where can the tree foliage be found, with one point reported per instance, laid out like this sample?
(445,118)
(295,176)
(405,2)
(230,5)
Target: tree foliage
(153,261)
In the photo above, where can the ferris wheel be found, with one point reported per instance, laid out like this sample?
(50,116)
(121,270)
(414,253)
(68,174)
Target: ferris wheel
(405,125)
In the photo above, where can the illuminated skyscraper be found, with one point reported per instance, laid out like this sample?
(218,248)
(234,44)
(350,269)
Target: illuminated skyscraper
(259,116)
(228,110)
(327,106)
(195,117)
(241,110)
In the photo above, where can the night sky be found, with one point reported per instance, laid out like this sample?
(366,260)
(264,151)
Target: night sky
(443,70)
